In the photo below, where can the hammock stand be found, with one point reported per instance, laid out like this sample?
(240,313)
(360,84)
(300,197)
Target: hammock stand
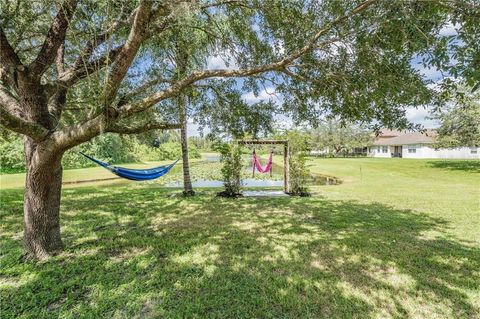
(134,174)
(286,154)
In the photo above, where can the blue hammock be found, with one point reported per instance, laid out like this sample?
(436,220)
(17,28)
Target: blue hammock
(134,174)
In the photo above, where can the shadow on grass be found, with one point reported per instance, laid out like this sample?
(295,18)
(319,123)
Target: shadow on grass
(459,165)
(139,253)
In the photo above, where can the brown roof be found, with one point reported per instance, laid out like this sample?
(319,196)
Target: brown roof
(386,133)
(409,138)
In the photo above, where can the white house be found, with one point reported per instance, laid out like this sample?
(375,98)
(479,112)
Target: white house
(416,145)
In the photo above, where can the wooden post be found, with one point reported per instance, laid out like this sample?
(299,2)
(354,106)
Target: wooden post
(253,164)
(286,177)
(271,167)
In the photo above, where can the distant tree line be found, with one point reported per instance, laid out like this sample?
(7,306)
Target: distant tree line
(460,122)
(112,148)
(335,138)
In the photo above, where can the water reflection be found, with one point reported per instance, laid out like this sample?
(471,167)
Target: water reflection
(247,182)
(212,158)
(252,182)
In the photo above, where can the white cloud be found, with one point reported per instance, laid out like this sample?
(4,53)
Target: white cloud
(267,94)
(420,116)
(283,122)
(335,47)
(449,29)
(215,63)
(430,73)
(220,61)
(193,129)
(279,47)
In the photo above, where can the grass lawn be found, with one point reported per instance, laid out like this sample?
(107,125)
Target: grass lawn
(398,238)
(448,190)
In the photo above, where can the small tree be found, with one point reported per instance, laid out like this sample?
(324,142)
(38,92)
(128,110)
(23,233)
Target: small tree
(335,137)
(231,157)
(298,174)
(460,124)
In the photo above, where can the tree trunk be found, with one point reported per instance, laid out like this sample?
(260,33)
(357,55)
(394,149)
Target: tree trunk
(42,200)
(187,181)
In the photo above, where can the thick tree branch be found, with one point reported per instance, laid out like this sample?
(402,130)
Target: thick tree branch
(127,53)
(215,4)
(7,53)
(81,68)
(79,133)
(6,78)
(124,129)
(82,132)
(141,30)
(16,124)
(93,43)
(239,3)
(8,107)
(142,88)
(55,37)
(133,108)
(59,61)
(58,101)
(10,103)
(70,77)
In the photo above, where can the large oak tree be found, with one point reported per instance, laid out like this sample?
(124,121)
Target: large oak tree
(72,70)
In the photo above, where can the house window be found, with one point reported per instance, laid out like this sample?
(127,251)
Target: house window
(473,150)
(412,148)
(384,149)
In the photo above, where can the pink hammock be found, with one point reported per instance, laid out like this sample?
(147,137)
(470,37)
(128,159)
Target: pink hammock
(262,169)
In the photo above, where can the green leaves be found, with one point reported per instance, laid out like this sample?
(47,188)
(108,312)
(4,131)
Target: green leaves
(460,125)
(335,137)
(298,174)
(360,70)
(231,158)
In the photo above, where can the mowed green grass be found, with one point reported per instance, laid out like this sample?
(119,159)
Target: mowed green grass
(398,239)
(445,189)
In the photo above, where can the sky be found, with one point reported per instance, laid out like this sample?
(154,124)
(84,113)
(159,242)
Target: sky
(414,115)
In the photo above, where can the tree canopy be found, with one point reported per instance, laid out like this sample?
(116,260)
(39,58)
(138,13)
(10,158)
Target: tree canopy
(460,122)
(352,59)
(339,137)
(72,70)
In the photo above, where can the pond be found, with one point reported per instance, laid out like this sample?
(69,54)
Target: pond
(207,173)
(212,158)
(246,182)
(260,180)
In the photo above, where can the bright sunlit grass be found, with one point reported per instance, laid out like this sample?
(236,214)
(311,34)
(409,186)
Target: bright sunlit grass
(398,238)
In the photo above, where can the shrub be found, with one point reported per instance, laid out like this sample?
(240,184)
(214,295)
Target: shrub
(231,157)
(110,148)
(173,150)
(298,174)
(11,156)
